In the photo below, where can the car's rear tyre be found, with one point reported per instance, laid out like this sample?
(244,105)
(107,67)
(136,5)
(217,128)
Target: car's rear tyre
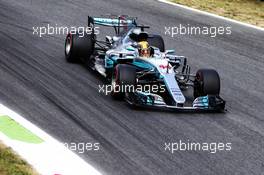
(157,41)
(124,77)
(79,47)
(207,82)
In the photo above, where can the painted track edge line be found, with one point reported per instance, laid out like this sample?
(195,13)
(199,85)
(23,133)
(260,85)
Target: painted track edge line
(212,15)
(49,157)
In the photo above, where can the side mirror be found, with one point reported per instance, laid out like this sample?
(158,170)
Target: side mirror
(170,51)
(115,38)
(109,39)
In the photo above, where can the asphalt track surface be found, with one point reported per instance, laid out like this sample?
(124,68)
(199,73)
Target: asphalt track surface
(63,99)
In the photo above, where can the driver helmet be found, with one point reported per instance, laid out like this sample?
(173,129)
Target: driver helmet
(144,49)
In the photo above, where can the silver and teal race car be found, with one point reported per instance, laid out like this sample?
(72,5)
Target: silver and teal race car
(140,70)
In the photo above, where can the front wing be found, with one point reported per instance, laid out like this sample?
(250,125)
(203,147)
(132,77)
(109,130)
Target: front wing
(209,103)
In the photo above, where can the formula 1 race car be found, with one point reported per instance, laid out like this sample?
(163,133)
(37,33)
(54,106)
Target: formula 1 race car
(140,70)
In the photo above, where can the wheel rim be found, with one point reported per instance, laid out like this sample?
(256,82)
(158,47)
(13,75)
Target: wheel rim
(68,45)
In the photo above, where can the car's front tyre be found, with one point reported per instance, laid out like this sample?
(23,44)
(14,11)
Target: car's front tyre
(207,82)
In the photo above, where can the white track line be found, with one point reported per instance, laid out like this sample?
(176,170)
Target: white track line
(211,14)
(48,158)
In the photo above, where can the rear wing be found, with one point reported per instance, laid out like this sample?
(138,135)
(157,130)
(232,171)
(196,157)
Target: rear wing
(113,21)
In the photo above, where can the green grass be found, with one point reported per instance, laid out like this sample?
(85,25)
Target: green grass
(248,11)
(12,164)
